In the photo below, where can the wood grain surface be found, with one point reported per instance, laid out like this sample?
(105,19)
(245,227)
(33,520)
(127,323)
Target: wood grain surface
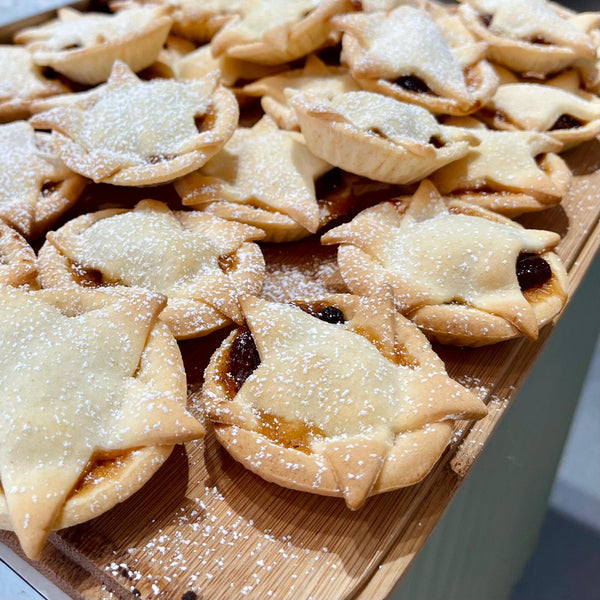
(205,524)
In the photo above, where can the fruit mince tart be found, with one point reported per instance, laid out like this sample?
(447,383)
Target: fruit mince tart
(93,400)
(465,275)
(273,32)
(22,81)
(193,20)
(533,36)
(340,396)
(233,71)
(558,107)
(84,46)
(36,187)
(510,172)
(439,65)
(265,177)
(378,137)
(18,262)
(131,132)
(202,263)
(315,76)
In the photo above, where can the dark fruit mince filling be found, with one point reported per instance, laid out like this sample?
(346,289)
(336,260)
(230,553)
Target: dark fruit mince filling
(242,360)
(413,84)
(325,312)
(566,122)
(532,271)
(329,183)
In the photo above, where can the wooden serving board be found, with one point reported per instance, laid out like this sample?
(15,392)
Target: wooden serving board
(205,524)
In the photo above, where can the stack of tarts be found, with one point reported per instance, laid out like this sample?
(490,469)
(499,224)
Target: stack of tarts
(202,132)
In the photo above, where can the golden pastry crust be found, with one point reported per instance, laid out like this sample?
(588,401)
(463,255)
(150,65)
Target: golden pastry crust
(18,262)
(273,191)
(84,46)
(202,263)
(197,21)
(316,426)
(558,107)
(378,137)
(273,33)
(131,132)
(21,82)
(536,36)
(453,267)
(315,77)
(439,64)
(36,187)
(200,62)
(511,172)
(121,383)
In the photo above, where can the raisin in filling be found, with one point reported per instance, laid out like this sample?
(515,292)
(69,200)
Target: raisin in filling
(154,159)
(243,359)
(566,122)
(329,183)
(540,41)
(413,84)
(49,187)
(486,20)
(532,271)
(331,314)
(436,142)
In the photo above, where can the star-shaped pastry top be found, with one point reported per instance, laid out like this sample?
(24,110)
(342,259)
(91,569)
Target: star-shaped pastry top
(342,385)
(539,19)
(261,166)
(71,389)
(315,77)
(371,44)
(538,107)
(151,247)
(22,81)
(433,256)
(258,17)
(197,21)
(503,161)
(76,31)
(134,132)
(26,163)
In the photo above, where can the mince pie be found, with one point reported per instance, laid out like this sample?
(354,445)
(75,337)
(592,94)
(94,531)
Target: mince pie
(90,381)
(465,275)
(200,62)
(84,46)
(314,77)
(18,262)
(264,176)
(194,20)
(341,397)
(200,262)
(131,132)
(558,107)
(511,172)
(273,32)
(411,56)
(378,137)
(21,82)
(36,187)
(533,36)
